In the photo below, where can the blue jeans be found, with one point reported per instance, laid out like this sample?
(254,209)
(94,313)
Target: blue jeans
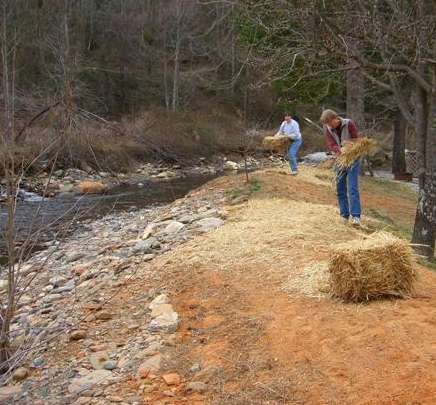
(292,154)
(348,194)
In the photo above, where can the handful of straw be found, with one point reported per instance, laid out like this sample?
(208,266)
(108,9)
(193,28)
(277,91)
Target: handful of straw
(351,152)
(276,143)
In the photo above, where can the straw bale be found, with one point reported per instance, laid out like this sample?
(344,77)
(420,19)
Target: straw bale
(379,266)
(276,143)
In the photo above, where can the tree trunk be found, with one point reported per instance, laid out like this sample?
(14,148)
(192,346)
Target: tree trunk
(399,146)
(177,57)
(165,83)
(176,76)
(356,97)
(424,230)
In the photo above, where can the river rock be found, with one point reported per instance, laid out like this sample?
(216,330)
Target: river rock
(147,258)
(142,247)
(207,213)
(103,315)
(88,381)
(74,257)
(82,401)
(20,374)
(51,298)
(195,368)
(110,365)
(166,174)
(148,231)
(98,360)
(172,379)
(151,350)
(229,165)
(173,227)
(187,219)
(66,288)
(66,188)
(316,158)
(159,300)
(6,393)
(196,386)
(38,362)
(98,348)
(152,364)
(164,319)
(378,157)
(57,281)
(209,224)
(160,310)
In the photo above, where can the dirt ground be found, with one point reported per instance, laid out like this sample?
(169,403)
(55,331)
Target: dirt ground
(258,341)
(260,344)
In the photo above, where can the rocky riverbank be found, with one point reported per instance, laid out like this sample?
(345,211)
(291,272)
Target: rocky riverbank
(75,181)
(77,350)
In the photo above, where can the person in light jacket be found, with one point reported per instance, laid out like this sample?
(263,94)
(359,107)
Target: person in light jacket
(291,129)
(339,131)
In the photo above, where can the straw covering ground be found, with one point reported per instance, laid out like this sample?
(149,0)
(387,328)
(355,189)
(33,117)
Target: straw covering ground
(256,294)
(256,316)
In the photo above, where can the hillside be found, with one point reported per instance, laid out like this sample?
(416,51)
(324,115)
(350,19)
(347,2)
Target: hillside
(245,293)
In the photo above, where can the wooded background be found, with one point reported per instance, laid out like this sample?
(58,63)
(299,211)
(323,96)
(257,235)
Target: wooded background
(113,81)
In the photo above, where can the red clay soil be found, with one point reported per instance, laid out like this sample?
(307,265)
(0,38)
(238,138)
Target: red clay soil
(271,348)
(259,345)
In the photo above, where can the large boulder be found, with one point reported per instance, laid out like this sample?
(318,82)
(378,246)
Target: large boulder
(229,165)
(316,158)
(209,224)
(89,380)
(378,157)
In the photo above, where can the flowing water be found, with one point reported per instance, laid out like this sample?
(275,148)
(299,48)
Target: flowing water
(48,215)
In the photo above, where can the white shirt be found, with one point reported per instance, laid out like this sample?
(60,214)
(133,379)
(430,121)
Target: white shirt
(290,129)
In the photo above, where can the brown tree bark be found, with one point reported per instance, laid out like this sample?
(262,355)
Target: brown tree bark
(424,230)
(356,97)
(399,145)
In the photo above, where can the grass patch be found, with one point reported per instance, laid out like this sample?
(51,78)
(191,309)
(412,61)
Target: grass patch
(429,264)
(386,223)
(245,190)
(390,188)
(255,185)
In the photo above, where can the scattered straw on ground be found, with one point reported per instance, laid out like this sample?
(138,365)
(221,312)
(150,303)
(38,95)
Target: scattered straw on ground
(378,266)
(307,174)
(312,281)
(276,235)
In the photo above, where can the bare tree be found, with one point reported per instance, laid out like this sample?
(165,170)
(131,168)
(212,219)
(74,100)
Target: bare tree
(8,54)
(399,146)
(399,39)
